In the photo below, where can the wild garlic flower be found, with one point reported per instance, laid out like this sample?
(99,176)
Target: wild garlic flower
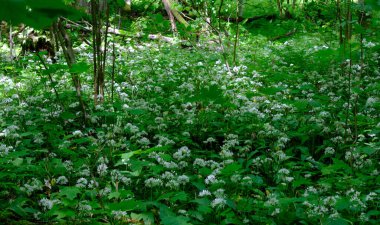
(77,133)
(93,184)
(204,193)
(167,175)
(34,185)
(310,190)
(81,182)
(218,203)
(172,184)
(199,162)
(219,193)
(225,153)
(62,180)
(47,204)
(84,206)
(183,179)
(182,153)
(119,214)
(211,179)
(4,150)
(102,169)
(153,182)
(284,171)
(329,151)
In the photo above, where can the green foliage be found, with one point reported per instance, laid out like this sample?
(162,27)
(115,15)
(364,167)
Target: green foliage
(35,13)
(288,135)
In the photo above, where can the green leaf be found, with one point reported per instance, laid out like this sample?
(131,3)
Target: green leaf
(230,169)
(114,195)
(80,67)
(18,162)
(257,180)
(147,217)
(181,196)
(35,13)
(70,192)
(125,205)
(136,112)
(337,221)
(335,167)
(63,213)
(373,213)
(170,218)
(342,204)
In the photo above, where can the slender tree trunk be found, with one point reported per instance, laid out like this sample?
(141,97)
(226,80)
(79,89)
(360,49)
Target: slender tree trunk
(127,6)
(67,47)
(279,7)
(238,14)
(241,8)
(340,24)
(11,43)
(348,30)
(170,14)
(99,55)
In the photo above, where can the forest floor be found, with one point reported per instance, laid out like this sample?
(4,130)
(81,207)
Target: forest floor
(287,135)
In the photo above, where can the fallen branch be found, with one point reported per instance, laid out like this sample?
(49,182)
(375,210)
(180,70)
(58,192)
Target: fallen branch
(290,33)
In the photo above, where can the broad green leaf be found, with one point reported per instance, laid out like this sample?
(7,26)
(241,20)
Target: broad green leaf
(335,167)
(63,213)
(337,221)
(231,168)
(70,192)
(80,67)
(125,205)
(147,217)
(168,217)
(181,196)
(18,161)
(114,195)
(35,13)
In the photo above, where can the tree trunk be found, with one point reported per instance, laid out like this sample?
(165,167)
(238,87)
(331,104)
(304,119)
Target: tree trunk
(99,56)
(127,7)
(348,30)
(170,14)
(11,43)
(241,7)
(339,17)
(279,7)
(67,47)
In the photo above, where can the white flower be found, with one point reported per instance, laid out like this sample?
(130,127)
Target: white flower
(118,215)
(78,133)
(62,180)
(82,182)
(218,203)
(167,175)
(173,184)
(204,193)
(199,162)
(47,204)
(83,206)
(102,169)
(34,185)
(226,154)
(284,171)
(329,151)
(182,153)
(183,179)
(153,182)
(144,141)
(219,193)
(210,179)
